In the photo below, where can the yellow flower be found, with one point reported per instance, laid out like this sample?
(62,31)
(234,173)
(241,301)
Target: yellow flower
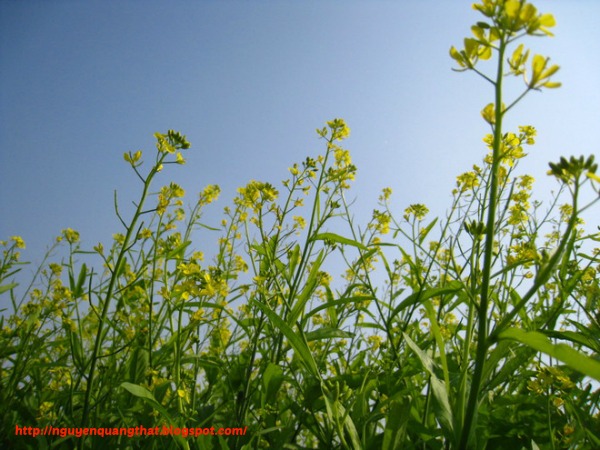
(417,209)
(198,315)
(375,341)
(339,129)
(56,269)
(526,181)
(18,240)
(342,157)
(240,264)
(386,193)
(489,114)
(467,181)
(209,194)
(183,395)
(71,235)
(145,234)
(164,293)
(558,402)
(299,222)
(382,221)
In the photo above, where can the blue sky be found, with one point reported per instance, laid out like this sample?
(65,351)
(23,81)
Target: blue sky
(248,82)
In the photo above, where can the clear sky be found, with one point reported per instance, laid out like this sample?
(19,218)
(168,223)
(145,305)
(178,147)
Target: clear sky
(248,82)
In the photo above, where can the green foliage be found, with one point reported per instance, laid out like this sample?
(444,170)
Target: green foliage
(477,330)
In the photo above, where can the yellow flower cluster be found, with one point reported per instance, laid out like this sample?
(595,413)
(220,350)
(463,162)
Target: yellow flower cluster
(70,235)
(18,240)
(299,223)
(386,193)
(550,380)
(209,194)
(9,255)
(255,194)
(519,209)
(468,181)
(166,195)
(381,221)
(511,147)
(418,210)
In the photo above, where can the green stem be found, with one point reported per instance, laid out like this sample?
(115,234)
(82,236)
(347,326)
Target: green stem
(314,224)
(107,299)
(462,397)
(482,322)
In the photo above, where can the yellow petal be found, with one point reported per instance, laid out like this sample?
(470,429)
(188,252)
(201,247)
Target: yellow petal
(547,20)
(593,176)
(511,8)
(552,84)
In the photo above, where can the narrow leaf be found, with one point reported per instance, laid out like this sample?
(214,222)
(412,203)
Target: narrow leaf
(327,333)
(450,288)
(425,231)
(8,287)
(339,239)
(440,392)
(309,288)
(296,341)
(395,427)
(80,280)
(574,359)
(144,394)
(272,380)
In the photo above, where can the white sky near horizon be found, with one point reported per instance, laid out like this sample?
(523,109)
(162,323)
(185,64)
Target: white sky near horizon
(248,83)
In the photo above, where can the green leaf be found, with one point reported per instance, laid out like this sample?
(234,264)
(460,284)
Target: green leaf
(272,380)
(138,364)
(76,350)
(584,337)
(144,394)
(178,252)
(513,357)
(296,341)
(338,415)
(395,427)
(351,429)
(425,231)
(338,302)
(309,288)
(293,260)
(437,334)
(139,391)
(327,333)
(571,357)
(439,389)
(339,239)
(420,296)
(8,287)
(80,280)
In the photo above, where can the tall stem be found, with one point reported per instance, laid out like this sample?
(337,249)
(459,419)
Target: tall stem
(482,322)
(109,293)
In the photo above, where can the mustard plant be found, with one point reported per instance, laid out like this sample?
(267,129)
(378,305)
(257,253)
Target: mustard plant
(305,329)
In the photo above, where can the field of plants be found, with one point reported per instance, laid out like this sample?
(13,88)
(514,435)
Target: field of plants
(307,330)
